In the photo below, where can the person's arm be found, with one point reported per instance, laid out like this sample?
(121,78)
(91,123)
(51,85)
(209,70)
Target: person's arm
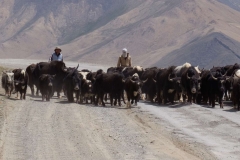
(130,62)
(62,58)
(51,58)
(119,62)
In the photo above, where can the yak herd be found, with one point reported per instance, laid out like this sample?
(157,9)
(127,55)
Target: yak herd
(184,83)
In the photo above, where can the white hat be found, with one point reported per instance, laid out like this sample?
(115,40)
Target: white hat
(124,50)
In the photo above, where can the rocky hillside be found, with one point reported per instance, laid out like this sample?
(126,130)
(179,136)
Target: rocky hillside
(211,50)
(235,4)
(156,32)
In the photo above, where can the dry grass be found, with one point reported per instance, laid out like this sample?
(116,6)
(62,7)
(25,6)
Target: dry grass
(2,103)
(2,69)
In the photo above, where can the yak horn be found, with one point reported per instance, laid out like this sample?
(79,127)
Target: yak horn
(77,67)
(170,78)
(132,81)
(225,74)
(145,80)
(227,78)
(154,80)
(188,76)
(214,77)
(71,73)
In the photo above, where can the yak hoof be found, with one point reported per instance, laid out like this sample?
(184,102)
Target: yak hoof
(128,104)
(163,101)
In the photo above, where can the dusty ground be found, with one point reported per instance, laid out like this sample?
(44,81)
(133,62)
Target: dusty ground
(33,129)
(58,130)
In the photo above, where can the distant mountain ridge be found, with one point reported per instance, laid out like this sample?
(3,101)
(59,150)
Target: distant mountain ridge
(155,32)
(235,4)
(72,17)
(214,49)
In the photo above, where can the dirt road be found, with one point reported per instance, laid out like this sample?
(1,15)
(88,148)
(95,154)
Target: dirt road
(33,129)
(58,130)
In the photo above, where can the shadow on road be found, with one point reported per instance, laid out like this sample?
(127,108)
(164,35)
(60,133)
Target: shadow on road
(175,105)
(178,105)
(206,106)
(98,106)
(63,102)
(231,110)
(40,100)
(10,98)
(107,105)
(14,99)
(37,100)
(33,96)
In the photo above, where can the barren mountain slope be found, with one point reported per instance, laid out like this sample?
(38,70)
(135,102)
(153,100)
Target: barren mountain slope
(95,31)
(212,50)
(171,26)
(36,26)
(235,4)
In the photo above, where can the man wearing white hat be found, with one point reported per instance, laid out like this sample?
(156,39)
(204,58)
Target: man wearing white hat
(56,56)
(125,59)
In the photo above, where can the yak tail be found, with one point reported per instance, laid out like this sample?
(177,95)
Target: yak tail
(35,70)
(4,79)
